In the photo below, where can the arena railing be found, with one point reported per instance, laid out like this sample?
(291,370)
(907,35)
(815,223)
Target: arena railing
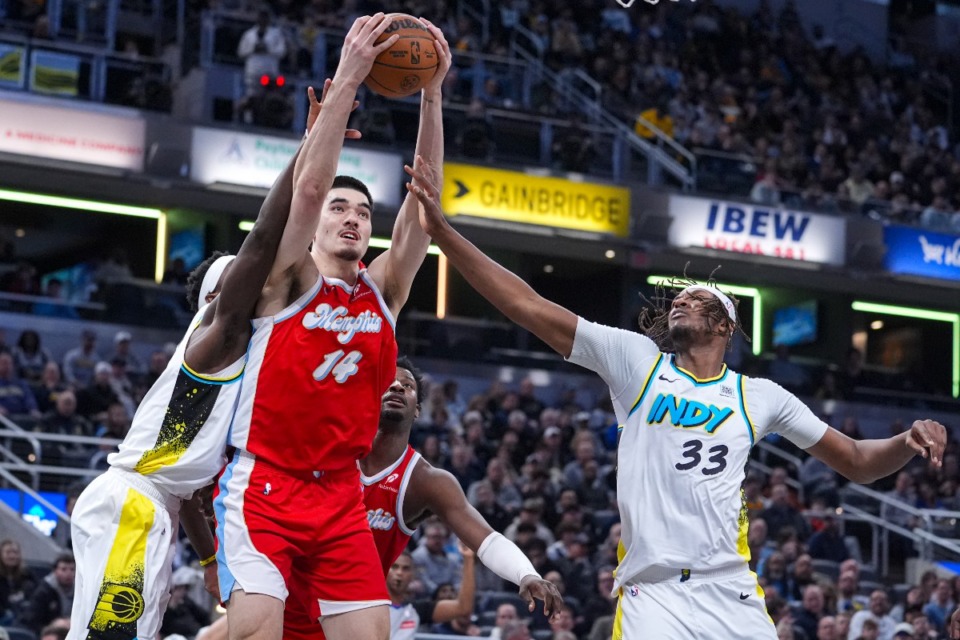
(111,73)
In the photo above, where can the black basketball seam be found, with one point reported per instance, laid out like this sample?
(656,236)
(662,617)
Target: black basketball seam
(397,66)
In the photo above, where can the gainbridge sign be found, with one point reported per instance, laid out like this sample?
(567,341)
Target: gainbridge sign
(517,197)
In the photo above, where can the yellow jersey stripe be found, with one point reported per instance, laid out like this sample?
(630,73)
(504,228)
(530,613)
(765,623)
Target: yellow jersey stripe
(646,385)
(206,378)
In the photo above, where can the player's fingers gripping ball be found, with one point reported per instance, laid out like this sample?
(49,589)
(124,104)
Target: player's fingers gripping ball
(408,65)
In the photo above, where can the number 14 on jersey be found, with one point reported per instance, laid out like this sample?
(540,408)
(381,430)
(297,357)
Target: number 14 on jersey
(342,367)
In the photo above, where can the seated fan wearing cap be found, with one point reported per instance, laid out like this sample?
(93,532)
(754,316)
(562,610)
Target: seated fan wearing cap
(688,426)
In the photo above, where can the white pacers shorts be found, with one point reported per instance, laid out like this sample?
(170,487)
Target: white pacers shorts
(123,531)
(719,605)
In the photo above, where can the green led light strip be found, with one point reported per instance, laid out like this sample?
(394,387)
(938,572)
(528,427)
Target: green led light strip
(756,337)
(81,205)
(922,314)
(376,243)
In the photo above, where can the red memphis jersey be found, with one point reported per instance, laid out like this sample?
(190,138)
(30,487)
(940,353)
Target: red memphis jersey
(383,497)
(316,373)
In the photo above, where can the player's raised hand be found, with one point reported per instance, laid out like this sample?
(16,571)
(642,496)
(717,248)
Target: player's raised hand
(359,50)
(424,186)
(444,57)
(465,551)
(928,438)
(317,105)
(533,588)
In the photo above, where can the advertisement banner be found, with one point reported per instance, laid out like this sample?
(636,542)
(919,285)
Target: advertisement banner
(756,229)
(519,197)
(254,160)
(48,131)
(54,73)
(11,65)
(921,252)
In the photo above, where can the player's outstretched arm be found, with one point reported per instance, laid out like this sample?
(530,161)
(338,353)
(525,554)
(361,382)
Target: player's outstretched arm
(446,610)
(197,527)
(865,461)
(316,166)
(394,270)
(518,301)
(442,495)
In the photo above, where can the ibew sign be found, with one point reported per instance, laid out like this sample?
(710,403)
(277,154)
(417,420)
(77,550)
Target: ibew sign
(756,229)
(922,252)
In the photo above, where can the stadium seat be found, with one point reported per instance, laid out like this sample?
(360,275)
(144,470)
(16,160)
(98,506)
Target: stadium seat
(542,634)
(867,573)
(869,586)
(828,568)
(19,633)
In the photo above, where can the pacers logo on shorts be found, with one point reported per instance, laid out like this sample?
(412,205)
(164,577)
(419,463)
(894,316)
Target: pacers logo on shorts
(117,612)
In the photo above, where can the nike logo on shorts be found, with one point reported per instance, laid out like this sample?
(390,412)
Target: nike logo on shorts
(744,596)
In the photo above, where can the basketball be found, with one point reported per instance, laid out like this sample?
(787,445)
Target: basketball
(409,64)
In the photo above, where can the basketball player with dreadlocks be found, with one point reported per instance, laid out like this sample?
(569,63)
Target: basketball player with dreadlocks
(688,426)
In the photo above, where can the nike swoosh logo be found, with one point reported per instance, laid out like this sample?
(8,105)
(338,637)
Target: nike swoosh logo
(744,596)
(666,379)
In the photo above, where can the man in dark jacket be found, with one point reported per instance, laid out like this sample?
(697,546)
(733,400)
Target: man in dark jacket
(53,598)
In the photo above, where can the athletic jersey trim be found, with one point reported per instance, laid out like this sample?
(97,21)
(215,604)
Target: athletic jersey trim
(383,305)
(403,492)
(300,303)
(646,386)
(694,379)
(380,475)
(743,409)
(213,379)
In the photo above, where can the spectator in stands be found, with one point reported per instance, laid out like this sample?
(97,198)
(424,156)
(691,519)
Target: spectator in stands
(593,492)
(79,362)
(828,544)
(851,374)
(16,398)
(16,582)
(808,615)
(877,614)
(938,216)
(158,362)
(183,615)
(30,357)
(506,614)
(600,603)
(116,425)
(774,573)
(827,629)
(474,137)
(434,565)
(903,631)
(505,489)
(53,598)
(65,421)
(517,630)
(485,502)
(122,351)
(527,399)
(93,401)
(177,274)
(463,466)
(23,280)
(573,148)
(802,576)
(843,624)
(904,493)
(531,514)
(941,605)
(116,268)
(49,386)
(54,631)
(584,452)
(55,309)
(261,48)
(536,550)
(780,514)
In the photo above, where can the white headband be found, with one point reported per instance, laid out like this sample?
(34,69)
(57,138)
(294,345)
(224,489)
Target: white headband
(719,295)
(212,278)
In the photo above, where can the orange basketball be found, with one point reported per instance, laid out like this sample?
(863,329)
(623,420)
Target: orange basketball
(409,64)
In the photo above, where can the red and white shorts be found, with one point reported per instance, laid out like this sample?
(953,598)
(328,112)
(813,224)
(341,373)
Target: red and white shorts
(305,537)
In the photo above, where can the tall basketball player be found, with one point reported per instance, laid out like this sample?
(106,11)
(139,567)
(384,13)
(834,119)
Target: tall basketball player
(290,514)
(125,523)
(400,489)
(689,425)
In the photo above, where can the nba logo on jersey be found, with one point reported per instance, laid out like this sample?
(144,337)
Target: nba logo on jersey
(634,590)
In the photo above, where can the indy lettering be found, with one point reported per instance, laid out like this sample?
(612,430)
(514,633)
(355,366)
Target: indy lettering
(687,413)
(337,320)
